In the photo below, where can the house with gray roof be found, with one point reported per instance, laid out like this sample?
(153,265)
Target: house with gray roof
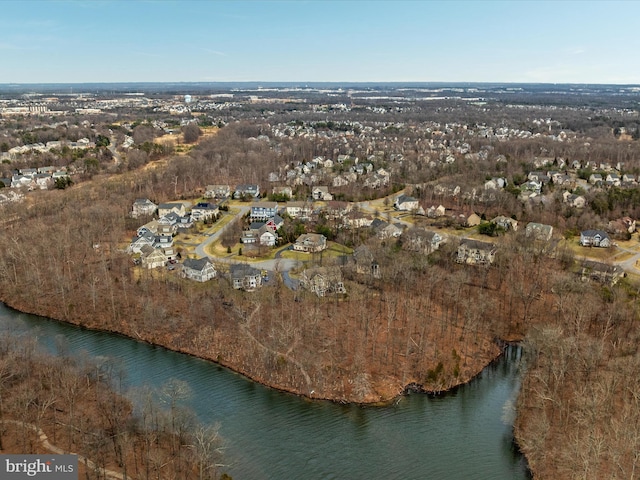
(245,277)
(143,206)
(200,269)
(475,252)
(595,238)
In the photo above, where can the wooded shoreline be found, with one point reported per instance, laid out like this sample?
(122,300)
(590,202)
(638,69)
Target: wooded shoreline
(410,388)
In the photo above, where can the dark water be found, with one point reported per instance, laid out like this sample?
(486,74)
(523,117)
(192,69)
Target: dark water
(271,435)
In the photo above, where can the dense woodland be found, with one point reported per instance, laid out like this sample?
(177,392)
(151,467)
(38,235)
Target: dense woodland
(427,322)
(63,404)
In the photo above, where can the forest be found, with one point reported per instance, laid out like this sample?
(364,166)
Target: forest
(426,321)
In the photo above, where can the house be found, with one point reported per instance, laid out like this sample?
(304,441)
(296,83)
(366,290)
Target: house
(365,263)
(200,270)
(601,272)
(595,238)
(418,239)
(321,193)
(357,219)
(340,181)
(275,223)
(18,181)
(146,238)
(337,209)
(204,211)
(541,177)
(249,236)
(220,192)
(149,227)
(262,211)
(538,231)
(267,237)
(385,230)
(286,191)
(323,280)
(245,277)
(142,207)
(43,180)
(496,183)
(506,223)
(532,186)
(563,179)
(310,243)
(152,257)
(573,200)
(405,203)
(469,219)
(595,179)
(435,212)
(628,178)
(246,191)
(376,181)
(260,233)
(168,224)
(613,178)
(474,252)
(301,210)
(176,207)
(184,223)
(163,241)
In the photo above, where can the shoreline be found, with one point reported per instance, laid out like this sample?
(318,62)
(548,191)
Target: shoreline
(411,387)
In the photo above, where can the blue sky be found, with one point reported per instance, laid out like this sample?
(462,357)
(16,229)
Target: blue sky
(323,41)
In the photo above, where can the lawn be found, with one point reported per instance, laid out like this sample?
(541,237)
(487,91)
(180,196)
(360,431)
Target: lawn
(591,253)
(333,250)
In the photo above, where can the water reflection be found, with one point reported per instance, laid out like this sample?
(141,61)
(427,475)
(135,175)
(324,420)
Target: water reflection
(274,435)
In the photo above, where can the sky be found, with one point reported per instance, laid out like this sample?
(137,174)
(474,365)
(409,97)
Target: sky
(559,41)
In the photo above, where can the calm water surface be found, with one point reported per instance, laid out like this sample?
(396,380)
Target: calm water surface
(273,435)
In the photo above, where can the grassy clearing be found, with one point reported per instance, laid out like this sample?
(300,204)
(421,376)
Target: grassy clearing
(591,253)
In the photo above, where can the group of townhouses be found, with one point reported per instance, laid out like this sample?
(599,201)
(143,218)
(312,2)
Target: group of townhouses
(41,178)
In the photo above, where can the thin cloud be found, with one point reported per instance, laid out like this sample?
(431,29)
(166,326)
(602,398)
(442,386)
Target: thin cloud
(214,52)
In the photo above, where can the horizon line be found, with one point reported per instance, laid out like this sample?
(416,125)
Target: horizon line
(313,82)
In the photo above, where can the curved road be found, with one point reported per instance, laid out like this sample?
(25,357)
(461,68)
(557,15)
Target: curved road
(277,265)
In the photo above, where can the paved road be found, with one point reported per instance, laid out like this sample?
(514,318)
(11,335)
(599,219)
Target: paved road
(201,249)
(629,265)
(277,265)
(112,148)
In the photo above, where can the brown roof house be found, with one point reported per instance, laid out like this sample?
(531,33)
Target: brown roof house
(310,243)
